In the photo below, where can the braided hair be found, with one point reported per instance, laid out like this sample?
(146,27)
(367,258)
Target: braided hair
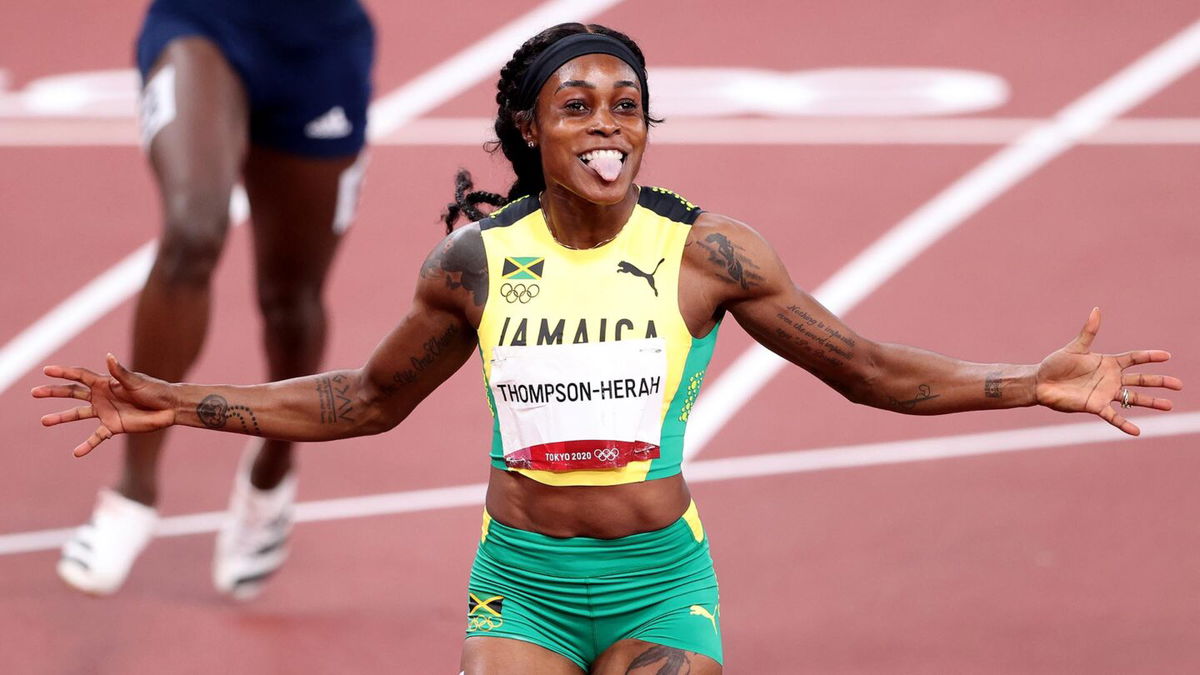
(526,161)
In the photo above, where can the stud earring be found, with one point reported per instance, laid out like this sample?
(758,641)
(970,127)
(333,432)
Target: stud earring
(531,144)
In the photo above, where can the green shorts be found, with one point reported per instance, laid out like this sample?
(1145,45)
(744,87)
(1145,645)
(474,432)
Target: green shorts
(578,596)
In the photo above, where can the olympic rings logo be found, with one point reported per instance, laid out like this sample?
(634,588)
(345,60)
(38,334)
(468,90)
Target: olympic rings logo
(607,454)
(519,292)
(484,623)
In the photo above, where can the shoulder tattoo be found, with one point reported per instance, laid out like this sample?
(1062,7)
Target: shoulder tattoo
(461,261)
(730,261)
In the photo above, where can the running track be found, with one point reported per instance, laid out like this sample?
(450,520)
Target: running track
(1075,552)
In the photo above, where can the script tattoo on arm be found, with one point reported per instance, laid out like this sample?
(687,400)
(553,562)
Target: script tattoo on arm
(813,337)
(991,385)
(336,404)
(214,411)
(924,393)
(462,262)
(735,265)
(430,351)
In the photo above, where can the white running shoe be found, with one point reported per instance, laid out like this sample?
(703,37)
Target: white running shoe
(252,542)
(97,558)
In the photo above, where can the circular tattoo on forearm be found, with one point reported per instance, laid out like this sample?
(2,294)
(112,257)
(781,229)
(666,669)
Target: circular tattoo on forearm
(213,411)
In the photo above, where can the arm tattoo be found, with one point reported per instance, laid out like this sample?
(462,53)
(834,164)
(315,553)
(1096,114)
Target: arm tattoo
(813,337)
(214,411)
(924,393)
(462,262)
(336,405)
(991,385)
(432,349)
(677,661)
(737,268)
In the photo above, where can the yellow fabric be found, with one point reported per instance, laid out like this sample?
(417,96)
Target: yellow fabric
(584,295)
(692,518)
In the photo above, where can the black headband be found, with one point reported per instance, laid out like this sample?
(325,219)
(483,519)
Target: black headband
(569,48)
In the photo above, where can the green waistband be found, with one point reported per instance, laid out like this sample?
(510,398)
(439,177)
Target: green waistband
(576,557)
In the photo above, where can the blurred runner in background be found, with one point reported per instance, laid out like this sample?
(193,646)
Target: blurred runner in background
(273,94)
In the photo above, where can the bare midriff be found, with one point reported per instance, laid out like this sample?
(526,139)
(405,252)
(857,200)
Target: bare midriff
(598,511)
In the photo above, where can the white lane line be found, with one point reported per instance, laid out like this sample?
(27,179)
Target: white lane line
(85,306)
(737,131)
(80,310)
(388,113)
(945,447)
(843,457)
(725,396)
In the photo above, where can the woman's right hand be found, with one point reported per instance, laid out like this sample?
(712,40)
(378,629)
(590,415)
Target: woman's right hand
(123,401)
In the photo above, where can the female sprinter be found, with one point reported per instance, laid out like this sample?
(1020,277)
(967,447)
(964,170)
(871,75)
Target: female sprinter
(595,303)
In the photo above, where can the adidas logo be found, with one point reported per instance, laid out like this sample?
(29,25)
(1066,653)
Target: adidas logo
(332,124)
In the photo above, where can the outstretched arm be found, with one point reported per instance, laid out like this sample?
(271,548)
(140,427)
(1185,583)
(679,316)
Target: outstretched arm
(745,276)
(427,346)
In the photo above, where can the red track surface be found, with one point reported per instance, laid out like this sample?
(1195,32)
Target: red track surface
(1081,559)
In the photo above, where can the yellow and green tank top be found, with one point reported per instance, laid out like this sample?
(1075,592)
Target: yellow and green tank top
(591,372)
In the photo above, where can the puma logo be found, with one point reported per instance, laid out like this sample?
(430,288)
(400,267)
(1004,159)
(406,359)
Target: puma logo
(697,610)
(630,268)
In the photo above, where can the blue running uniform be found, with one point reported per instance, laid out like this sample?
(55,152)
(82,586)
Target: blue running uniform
(305,64)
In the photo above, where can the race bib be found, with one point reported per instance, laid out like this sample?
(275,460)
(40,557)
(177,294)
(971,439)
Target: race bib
(579,406)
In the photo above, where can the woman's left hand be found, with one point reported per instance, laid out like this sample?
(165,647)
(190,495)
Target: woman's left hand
(123,401)
(1075,379)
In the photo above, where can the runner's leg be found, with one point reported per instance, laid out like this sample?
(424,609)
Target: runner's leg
(637,657)
(293,204)
(197,159)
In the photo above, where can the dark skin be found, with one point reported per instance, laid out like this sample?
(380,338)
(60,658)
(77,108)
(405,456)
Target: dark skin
(594,102)
(197,159)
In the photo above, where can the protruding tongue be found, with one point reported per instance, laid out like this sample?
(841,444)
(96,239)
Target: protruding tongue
(608,166)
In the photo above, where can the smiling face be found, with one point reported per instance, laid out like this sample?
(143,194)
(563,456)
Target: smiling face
(590,128)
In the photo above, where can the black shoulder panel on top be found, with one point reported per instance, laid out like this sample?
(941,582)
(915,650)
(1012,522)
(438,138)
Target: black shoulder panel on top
(509,213)
(669,205)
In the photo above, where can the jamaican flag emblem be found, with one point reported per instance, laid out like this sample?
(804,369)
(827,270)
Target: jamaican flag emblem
(523,268)
(484,614)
